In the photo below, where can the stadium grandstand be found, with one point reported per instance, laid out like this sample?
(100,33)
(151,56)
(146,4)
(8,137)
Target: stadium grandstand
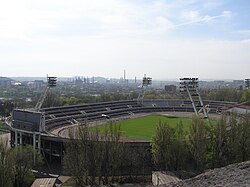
(37,128)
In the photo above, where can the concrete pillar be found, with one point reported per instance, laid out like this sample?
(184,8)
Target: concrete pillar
(20,138)
(15,138)
(34,145)
(39,143)
(34,140)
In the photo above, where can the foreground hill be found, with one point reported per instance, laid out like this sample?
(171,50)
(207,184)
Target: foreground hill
(229,176)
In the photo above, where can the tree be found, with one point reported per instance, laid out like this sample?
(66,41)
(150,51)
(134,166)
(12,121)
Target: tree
(97,154)
(233,138)
(6,164)
(180,147)
(111,152)
(23,158)
(52,100)
(245,96)
(198,139)
(16,165)
(219,145)
(244,137)
(162,143)
(169,147)
(76,152)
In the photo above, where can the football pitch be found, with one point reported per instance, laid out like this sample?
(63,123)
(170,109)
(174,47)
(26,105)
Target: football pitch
(144,127)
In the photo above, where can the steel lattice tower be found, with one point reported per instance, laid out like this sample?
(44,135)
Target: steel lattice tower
(51,82)
(190,86)
(145,82)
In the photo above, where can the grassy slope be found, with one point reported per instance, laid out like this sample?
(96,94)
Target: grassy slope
(144,127)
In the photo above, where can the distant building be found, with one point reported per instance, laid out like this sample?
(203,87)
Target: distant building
(78,81)
(38,84)
(170,88)
(5,82)
(238,84)
(123,81)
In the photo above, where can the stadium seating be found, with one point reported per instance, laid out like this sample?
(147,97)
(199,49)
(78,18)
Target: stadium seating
(60,116)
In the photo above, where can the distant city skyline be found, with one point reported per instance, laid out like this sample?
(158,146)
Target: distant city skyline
(165,39)
(138,79)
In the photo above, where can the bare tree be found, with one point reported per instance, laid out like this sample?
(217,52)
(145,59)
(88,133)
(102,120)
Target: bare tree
(91,154)
(75,158)
(6,164)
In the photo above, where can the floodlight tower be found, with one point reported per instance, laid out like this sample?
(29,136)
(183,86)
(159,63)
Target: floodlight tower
(190,85)
(247,84)
(145,82)
(51,82)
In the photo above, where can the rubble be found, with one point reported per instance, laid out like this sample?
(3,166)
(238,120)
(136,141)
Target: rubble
(229,176)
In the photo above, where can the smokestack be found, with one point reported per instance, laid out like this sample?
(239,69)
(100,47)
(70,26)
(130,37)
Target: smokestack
(124,75)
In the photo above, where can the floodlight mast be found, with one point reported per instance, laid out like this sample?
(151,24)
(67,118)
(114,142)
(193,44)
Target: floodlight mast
(145,82)
(51,82)
(190,85)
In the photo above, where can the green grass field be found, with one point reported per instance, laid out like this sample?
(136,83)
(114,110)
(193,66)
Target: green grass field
(144,127)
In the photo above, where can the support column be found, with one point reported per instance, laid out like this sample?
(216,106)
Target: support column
(34,145)
(203,107)
(15,138)
(39,143)
(20,138)
(34,140)
(192,101)
(190,85)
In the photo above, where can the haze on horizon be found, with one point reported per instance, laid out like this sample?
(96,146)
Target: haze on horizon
(165,39)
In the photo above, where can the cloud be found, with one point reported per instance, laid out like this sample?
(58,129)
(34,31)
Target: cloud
(211,4)
(247,41)
(29,19)
(243,32)
(104,37)
(193,17)
(20,19)
(227,14)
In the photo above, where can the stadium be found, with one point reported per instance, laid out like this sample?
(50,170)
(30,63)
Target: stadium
(42,129)
(46,129)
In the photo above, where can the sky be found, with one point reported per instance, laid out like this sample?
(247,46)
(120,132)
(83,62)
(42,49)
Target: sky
(165,39)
